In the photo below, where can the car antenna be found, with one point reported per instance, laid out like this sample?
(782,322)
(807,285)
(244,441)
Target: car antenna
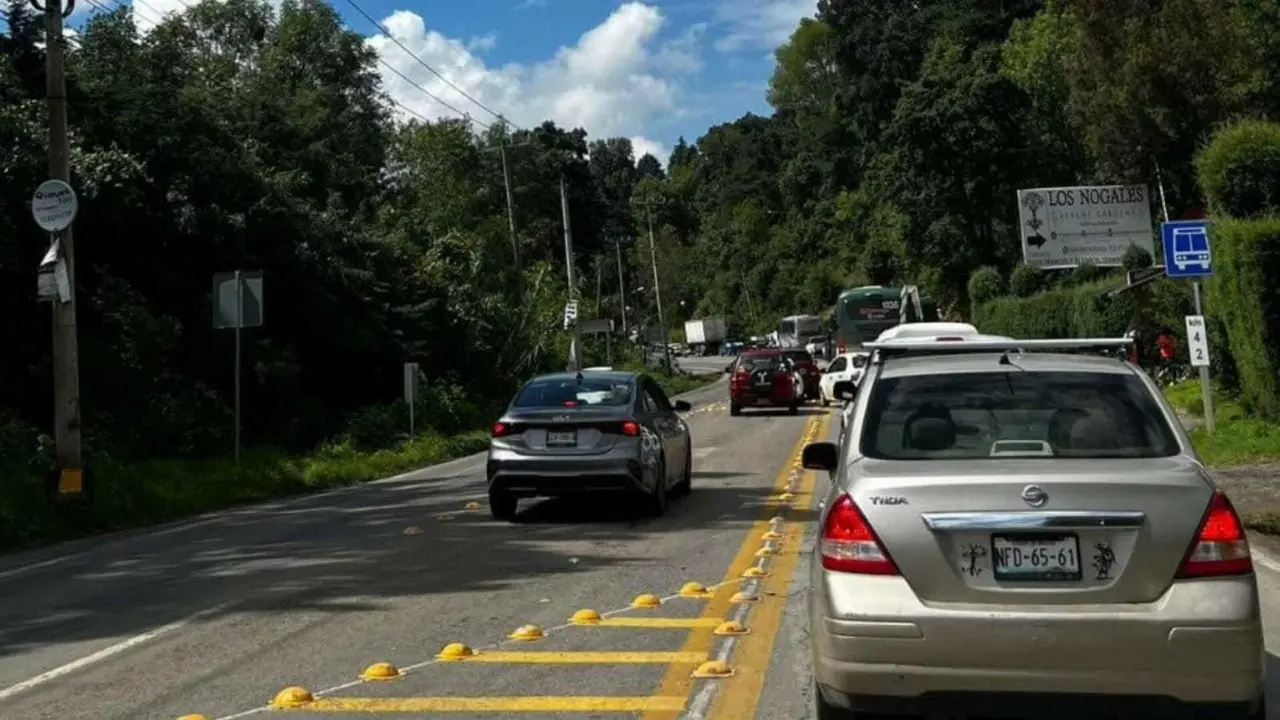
(1006,360)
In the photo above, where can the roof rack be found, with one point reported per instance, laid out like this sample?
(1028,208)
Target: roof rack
(932,346)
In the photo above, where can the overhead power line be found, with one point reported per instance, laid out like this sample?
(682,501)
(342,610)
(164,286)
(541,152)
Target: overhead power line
(383,29)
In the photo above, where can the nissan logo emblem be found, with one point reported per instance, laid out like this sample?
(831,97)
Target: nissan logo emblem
(1034,495)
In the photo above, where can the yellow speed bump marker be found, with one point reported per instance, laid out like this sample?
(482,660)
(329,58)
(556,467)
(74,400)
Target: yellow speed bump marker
(771,535)
(527,633)
(777,520)
(740,598)
(766,551)
(194,717)
(455,651)
(292,697)
(786,497)
(473,506)
(754,572)
(585,616)
(646,601)
(731,627)
(380,671)
(713,669)
(695,590)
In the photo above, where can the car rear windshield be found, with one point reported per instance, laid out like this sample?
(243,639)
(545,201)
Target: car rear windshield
(751,363)
(570,393)
(976,415)
(800,356)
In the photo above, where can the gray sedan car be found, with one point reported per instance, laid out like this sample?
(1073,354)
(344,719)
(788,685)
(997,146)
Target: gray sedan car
(1014,530)
(596,431)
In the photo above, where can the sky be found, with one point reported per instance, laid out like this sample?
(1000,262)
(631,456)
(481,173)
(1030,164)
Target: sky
(649,70)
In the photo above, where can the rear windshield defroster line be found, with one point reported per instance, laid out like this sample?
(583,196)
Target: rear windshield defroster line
(962,416)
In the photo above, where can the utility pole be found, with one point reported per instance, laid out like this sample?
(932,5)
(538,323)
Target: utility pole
(511,206)
(622,291)
(648,202)
(575,346)
(66,360)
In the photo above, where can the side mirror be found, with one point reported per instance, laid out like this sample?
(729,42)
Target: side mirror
(682,406)
(821,456)
(845,390)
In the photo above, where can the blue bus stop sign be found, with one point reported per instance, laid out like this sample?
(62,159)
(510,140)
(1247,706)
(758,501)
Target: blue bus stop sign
(1186,248)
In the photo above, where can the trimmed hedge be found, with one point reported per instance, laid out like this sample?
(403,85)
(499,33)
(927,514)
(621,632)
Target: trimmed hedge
(1239,170)
(1244,293)
(1063,312)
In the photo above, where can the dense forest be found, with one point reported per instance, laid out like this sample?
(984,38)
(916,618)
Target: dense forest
(238,136)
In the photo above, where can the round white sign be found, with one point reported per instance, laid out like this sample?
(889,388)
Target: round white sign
(54,206)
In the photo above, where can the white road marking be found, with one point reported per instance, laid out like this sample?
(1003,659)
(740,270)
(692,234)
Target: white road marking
(1265,560)
(108,652)
(704,452)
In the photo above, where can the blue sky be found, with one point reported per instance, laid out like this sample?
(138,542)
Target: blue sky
(651,70)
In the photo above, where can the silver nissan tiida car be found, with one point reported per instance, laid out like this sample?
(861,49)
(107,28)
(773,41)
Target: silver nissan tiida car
(1022,529)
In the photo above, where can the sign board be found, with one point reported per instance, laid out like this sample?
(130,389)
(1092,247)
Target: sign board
(570,314)
(237,307)
(1197,341)
(410,382)
(1186,248)
(52,279)
(54,206)
(1070,226)
(602,325)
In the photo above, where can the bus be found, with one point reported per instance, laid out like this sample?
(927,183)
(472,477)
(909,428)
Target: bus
(862,313)
(796,330)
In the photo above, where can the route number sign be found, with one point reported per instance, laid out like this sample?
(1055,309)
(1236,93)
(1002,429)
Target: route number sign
(1197,341)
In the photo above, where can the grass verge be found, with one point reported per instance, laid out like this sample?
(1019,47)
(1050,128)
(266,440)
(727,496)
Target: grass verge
(1237,439)
(157,491)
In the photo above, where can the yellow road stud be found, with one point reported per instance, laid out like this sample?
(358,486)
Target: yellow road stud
(646,601)
(771,535)
(713,669)
(754,572)
(766,551)
(292,697)
(380,671)
(743,597)
(695,590)
(585,616)
(527,633)
(731,627)
(455,651)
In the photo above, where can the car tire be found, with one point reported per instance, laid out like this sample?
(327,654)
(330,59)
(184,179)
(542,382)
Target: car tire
(503,506)
(656,500)
(735,409)
(685,486)
(825,401)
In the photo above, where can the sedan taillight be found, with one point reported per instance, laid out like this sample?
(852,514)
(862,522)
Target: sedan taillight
(499,430)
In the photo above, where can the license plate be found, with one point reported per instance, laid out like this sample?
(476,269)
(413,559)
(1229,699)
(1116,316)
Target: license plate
(562,438)
(1035,558)
(762,401)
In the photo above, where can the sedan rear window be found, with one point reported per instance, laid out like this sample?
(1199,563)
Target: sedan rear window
(1015,414)
(570,393)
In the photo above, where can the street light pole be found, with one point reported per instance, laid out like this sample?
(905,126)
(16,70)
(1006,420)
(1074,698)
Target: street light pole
(575,347)
(622,298)
(648,203)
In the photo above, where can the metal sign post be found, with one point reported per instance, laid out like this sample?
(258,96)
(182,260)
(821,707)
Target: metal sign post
(1187,255)
(411,392)
(237,304)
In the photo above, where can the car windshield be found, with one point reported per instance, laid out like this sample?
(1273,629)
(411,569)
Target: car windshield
(546,392)
(1045,414)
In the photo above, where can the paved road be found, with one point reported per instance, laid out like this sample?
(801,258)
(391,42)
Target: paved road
(218,615)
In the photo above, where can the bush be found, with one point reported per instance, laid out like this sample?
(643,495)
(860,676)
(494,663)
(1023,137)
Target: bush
(1026,281)
(1064,312)
(1244,293)
(1239,169)
(985,285)
(1085,274)
(1136,258)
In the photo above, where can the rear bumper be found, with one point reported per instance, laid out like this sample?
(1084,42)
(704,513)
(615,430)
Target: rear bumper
(747,400)
(1198,649)
(534,476)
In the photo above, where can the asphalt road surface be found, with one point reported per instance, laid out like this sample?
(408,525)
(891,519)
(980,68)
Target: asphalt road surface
(216,616)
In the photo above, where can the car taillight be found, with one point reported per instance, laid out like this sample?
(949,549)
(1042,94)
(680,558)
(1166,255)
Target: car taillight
(499,430)
(742,376)
(850,545)
(631,427)
(1220,547)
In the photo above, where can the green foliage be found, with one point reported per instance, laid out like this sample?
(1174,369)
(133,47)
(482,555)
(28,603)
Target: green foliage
(1064,312)
(985,285)
(1245,293)
(1239,170)
(1136,258)
(1026,280)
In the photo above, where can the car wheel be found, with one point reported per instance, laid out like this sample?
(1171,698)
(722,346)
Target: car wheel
(503,506)
(825,401)
(656,501)
(735,409)
(685,486)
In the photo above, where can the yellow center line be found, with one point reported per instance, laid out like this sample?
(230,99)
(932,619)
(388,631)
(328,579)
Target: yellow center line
(676,682)
(658,622)
(540,703)
(737,697)
(580,657)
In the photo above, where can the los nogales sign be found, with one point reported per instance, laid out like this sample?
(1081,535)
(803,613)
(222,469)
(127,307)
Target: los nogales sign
(1069,226)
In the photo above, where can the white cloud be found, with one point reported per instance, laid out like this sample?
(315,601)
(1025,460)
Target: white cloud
(484,43)
(526,4)
(760,24)
(640,146)
(616,78)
